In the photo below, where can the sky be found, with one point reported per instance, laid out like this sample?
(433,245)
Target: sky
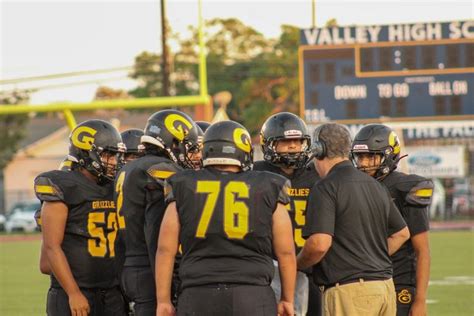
(49,37)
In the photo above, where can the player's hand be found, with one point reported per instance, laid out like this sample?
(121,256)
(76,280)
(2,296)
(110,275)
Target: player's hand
(285,308)
(79,304)
(418,308)
(165,309)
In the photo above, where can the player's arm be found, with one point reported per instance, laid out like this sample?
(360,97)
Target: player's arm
(283,246)
(421,246)
(398,232)
(54,216)
(43,262)
(396,240)
(418,201)
(165,255)
(314,250)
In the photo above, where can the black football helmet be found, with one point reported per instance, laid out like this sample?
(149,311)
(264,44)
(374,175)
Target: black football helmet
(280,126)
(132,140)
(203,125)
(227,143)
(377,139)
(90,140)
(175,133)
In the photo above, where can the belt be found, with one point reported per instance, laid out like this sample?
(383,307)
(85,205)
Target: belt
(323,288)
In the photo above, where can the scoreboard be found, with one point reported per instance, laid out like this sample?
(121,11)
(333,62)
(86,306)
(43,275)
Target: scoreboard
(368,72)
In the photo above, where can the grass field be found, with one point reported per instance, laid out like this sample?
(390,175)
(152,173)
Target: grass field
(23,289)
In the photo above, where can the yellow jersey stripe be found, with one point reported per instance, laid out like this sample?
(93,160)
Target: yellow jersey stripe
(46,189)
(161,174)
(424,192)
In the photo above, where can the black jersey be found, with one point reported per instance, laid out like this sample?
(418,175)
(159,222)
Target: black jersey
(139,191)
(301,181)
(226,225)
(91,226)
(412,195)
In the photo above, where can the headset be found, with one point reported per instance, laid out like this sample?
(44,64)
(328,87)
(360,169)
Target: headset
(318,147)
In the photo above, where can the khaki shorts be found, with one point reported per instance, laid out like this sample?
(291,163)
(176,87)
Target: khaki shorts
(364,298)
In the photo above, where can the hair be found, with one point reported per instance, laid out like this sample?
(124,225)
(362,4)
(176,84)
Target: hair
(151,149)
(337,139)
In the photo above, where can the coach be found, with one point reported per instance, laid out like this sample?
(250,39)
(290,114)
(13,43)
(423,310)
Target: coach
(352,228)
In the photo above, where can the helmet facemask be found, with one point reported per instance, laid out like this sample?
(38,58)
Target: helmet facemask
(377,169)
(291,160)
(102,162)
(105,162)
(180,152)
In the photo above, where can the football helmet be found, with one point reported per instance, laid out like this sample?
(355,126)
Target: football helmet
(280,126)
(91,145)
(175,133)
(132,140)
(227,143)
(203,125)
(380,140)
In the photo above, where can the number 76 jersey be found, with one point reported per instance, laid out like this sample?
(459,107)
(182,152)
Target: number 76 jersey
(226,224)
(91,225)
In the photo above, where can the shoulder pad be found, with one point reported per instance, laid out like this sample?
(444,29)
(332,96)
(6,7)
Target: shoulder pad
(421,193)
(261,165)
(163,170)
(37,217)
(273,177)
(48,188)
(402,182)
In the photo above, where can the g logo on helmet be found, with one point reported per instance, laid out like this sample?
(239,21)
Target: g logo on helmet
(83,137)
(242,140)
(394,142)
(178,126)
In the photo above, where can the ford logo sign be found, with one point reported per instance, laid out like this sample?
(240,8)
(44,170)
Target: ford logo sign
(424,160)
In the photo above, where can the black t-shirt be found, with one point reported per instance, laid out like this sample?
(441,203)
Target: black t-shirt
(91,226)
(140,206)
(226,225)
(301,182)
(412,195)
(359,214)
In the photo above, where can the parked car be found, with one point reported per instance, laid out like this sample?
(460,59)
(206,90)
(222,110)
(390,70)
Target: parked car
(463,199)
(21,216)
(3,220)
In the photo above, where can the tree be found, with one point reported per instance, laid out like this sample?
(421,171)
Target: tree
(272,84)
(260,73)
(12,131)
(107,93)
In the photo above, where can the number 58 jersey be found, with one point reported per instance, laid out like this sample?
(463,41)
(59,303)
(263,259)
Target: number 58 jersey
(91,226)
(226,225)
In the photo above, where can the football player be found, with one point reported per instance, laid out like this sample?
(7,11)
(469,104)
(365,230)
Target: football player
(133,150)
(196,156)
(376,151)
(79,224)
(285,145)
(168,137)
(229,221)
